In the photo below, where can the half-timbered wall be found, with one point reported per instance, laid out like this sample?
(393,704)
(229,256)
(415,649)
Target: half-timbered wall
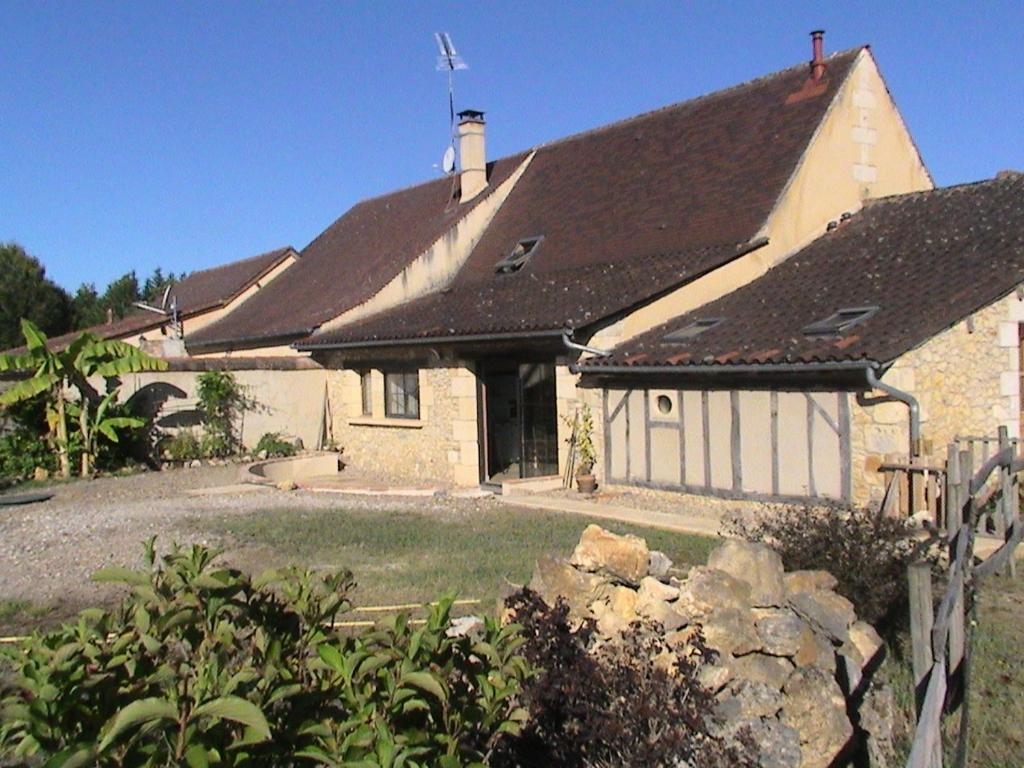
(736,443)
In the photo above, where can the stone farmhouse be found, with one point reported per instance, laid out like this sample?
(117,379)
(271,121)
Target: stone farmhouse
(757,292)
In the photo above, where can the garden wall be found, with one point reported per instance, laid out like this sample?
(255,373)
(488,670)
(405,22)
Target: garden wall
(290,398)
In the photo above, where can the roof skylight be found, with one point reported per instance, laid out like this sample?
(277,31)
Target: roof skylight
(522,252)
(695,328)
(839,322)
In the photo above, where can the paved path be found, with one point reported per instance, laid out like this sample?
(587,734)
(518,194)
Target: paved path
(702,525)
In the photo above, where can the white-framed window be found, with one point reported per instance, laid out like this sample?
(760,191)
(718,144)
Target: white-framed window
(366,390)
(402,394)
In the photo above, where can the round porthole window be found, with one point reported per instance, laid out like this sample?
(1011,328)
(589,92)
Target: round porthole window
(664,403)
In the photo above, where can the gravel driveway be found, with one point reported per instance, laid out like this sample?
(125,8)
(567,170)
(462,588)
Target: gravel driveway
(48,550)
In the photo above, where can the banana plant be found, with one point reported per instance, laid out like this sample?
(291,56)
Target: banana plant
(57,373)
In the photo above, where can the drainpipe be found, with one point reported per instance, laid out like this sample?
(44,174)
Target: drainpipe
(570,344)
(904,397)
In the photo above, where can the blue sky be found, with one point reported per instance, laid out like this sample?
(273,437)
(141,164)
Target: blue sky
(188,134)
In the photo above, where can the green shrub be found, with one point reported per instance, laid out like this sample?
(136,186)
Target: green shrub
(24,445)
(868,553)
(21,451)
(202,665)
(182,446)
(222,401)
(275,445)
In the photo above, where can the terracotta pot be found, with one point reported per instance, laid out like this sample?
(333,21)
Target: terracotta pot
(586,483)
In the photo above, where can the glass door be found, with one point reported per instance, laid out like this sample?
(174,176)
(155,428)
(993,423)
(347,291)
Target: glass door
(521,421)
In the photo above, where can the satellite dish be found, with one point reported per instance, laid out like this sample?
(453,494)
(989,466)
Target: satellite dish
(448,162)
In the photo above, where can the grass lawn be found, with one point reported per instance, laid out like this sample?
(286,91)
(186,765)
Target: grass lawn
(997,682)
(400,557)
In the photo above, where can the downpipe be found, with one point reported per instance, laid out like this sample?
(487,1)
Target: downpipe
(904,397)
(570,344)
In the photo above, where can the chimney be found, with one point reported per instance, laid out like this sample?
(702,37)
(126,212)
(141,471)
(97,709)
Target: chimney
(818,54)
(472,154)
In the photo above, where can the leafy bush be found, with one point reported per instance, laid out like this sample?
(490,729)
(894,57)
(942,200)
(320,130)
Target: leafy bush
(222,401)
(21,451)
(132,439)
(182,446)
(24,445)
(613,705)
(202,665)
(868,553)
(275,445)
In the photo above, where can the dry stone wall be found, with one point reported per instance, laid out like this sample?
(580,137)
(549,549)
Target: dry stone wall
(789,655)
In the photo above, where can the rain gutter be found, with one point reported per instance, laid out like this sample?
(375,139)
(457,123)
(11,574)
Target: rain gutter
(483,337)
(725,368)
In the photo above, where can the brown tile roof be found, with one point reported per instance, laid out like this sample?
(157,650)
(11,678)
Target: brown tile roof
(350,261)
(626,211)
(546,300)
(926,260)
(199,292)
(217,286)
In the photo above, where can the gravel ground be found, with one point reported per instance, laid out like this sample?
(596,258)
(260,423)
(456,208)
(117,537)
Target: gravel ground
(670,502)
(49,550)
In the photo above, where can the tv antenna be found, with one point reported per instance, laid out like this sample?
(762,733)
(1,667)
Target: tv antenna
(169,311)
(448,60)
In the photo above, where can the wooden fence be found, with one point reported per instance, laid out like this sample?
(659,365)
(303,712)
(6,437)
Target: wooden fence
(941,637)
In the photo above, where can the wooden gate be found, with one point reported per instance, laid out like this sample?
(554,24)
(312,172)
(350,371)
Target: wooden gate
(732,443)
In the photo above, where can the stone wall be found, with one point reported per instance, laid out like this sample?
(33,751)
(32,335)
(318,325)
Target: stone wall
(789,659)
(967,381)
(441,445)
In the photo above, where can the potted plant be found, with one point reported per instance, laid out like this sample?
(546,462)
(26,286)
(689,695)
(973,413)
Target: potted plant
(585,453)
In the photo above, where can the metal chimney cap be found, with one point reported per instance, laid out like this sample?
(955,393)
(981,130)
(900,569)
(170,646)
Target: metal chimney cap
(471,115)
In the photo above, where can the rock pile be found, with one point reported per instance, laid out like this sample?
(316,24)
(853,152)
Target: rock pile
(786,645)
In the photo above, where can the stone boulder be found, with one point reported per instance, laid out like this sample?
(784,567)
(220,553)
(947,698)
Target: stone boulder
(781,631)
(755,564)
(554,579)
(708,588)
(658,565)
(815,707)
(731,631)
(828,612)
(808,581)
(623,558)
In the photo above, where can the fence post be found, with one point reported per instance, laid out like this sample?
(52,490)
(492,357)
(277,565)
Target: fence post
(1008,499)
(919,577)
(954,521)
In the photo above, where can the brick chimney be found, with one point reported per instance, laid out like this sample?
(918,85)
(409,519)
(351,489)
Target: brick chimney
(817,54)
(472,154)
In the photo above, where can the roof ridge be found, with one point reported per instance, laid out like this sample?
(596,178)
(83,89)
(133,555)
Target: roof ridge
(609,126)
(1001,178)
(694,100)
(238,262)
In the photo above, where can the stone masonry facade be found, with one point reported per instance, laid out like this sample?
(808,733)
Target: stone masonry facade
(967,382)
(440,446)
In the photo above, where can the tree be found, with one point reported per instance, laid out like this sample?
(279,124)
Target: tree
(86,307)
(155,285)
(26,292)
(55,373)
(122,294)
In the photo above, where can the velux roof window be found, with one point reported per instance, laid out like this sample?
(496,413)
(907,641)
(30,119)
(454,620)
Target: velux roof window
(695,328)
(839,322)
(524,249)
